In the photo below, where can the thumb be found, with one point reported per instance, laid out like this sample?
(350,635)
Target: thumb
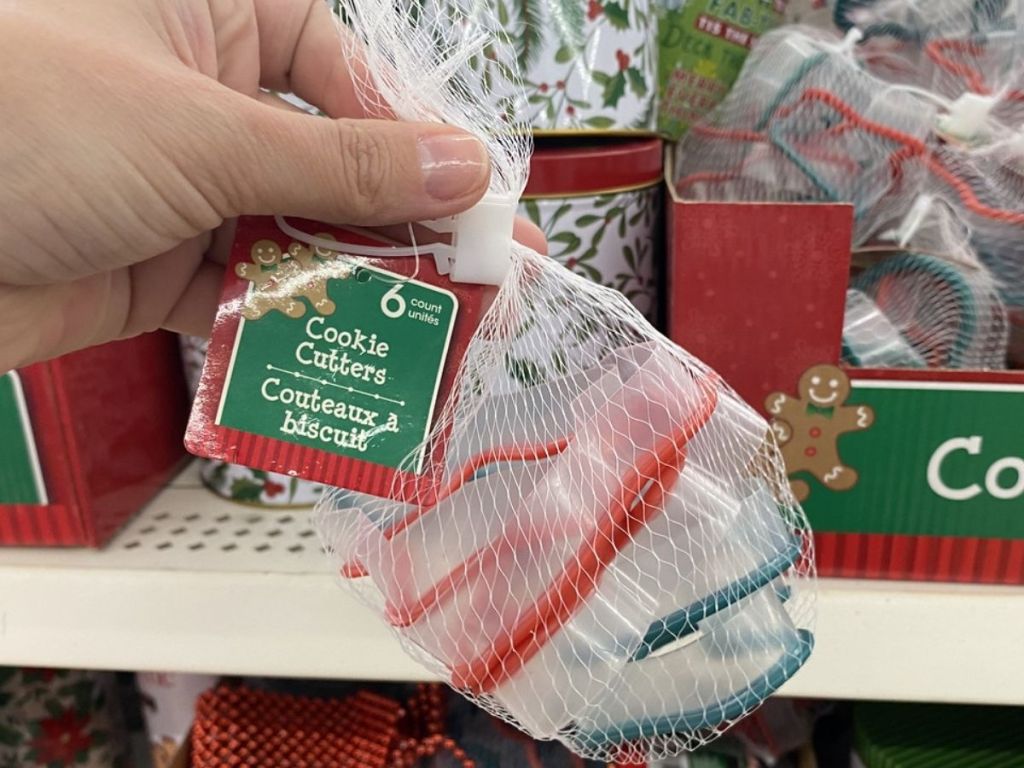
(363,172)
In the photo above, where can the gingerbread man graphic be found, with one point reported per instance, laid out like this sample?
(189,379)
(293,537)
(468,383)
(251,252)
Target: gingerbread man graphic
(281,280)
(808,428)
(313,286)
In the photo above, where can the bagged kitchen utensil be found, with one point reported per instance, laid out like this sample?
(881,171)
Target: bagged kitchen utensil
(930,302)
(969,53)
(985,185)
(805,123)
(949,314)
(596,542)
(870,340)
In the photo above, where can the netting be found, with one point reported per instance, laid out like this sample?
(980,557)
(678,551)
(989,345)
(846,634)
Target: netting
(443,61)
(986,187)
(915,310)
(870,340)
(805,123)
(601,546)
(929,302)
(950,47)
(600,555)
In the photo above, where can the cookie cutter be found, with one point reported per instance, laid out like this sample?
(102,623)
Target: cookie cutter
(699,688)
(591,544)
(870,340)
(885,284)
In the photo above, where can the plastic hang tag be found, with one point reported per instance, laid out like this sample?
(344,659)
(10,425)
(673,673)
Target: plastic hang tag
(330,367)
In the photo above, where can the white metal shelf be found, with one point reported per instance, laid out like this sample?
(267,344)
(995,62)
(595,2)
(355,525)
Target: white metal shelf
(196,584)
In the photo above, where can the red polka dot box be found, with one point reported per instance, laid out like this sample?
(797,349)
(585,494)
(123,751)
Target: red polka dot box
(913,471)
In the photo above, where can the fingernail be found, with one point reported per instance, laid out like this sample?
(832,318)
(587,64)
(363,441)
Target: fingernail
(453,165)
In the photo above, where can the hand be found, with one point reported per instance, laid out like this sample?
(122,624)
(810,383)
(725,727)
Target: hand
(133,131)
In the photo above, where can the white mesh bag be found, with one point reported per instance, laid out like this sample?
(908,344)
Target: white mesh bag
(805,123)
(966,56)
(985,185)
(953,48)
(929,301)
(916,309)
(871,340)
(604,549)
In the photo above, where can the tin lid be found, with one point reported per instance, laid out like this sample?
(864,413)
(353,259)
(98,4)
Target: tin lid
(581,166)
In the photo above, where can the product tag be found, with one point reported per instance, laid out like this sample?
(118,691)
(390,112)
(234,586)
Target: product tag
(326,366)
(21,478)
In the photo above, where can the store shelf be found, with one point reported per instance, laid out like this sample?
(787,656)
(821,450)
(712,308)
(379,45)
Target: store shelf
(196,584)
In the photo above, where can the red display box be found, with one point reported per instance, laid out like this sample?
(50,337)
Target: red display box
(102,430)
(932,461)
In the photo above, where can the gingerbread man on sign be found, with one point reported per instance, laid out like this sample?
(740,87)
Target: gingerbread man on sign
(808,428)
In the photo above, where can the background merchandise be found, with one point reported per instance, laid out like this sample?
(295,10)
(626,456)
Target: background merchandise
(702,47)
(586,65)
(600,206)
(168,702)
(89,438)
(895,122)
(906,735)
(63,718)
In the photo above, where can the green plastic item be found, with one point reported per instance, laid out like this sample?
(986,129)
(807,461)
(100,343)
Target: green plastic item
(685,621)
(702,47)
(891,735)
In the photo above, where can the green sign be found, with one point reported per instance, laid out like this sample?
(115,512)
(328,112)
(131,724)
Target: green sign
(21,479)
(941,459)
(360,381)
(702,47)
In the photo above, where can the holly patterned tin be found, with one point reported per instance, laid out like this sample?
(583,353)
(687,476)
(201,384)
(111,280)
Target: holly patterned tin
(599,203)
(234,481)
(254,486)
(588,65)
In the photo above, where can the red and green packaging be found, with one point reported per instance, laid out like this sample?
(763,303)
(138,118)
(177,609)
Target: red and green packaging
(329,368)
(905,474)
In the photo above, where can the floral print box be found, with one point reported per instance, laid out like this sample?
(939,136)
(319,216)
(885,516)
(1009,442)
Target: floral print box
(599,204)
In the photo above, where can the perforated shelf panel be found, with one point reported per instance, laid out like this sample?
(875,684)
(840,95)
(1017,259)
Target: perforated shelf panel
(189,528)
(177,532)
(198,584)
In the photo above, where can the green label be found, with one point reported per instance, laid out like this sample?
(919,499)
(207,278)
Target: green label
(21,480)
(702,47)
(360,382)
(941,459)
